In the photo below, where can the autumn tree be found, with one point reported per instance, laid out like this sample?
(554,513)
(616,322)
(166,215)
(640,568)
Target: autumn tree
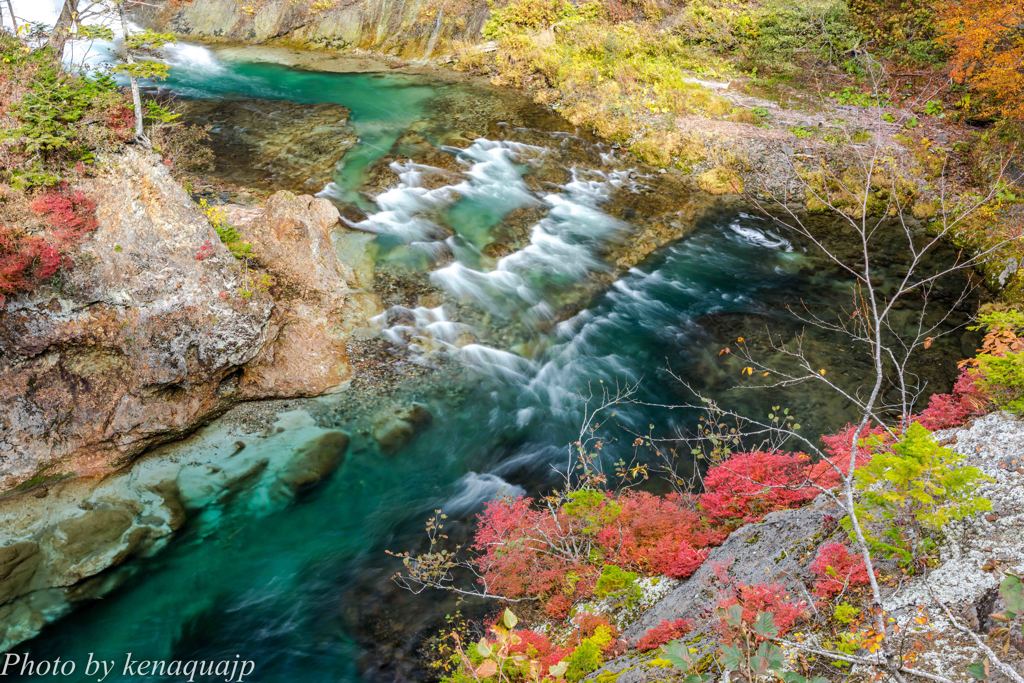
(987,39)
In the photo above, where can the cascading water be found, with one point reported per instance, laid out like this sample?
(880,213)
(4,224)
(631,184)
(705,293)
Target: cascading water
(518,333)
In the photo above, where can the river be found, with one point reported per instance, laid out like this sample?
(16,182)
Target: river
(531,309)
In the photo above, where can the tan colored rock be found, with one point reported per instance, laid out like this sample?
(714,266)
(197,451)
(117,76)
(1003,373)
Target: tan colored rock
(318,306)
(315,461)
(18,564)
(141,342)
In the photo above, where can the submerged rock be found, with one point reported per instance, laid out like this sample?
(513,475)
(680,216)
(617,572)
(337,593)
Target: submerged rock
(272,144)
(315,461)
(391,432)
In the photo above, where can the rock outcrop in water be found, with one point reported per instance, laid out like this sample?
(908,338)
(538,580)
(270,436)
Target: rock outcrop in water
(320,299)
(149,336)
(158,328)
(409,28)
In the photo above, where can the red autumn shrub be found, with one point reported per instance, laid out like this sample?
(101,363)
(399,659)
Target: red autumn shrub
(514,542)
(659,534)
(555,656)
(120,119)
(756,599)
(678,559)
(534,645)
(953,409)
(69,214)
(748,486)
(557,606)
(835,568)
(588,624)
(827,473)
(665,632)
(25,261)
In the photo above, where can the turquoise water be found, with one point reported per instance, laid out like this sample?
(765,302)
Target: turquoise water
(303,588)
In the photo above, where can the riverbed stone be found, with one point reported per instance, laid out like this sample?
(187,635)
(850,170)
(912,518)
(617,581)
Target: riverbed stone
(85,545)
(315,461)
(393,431)
(272,144)
(18,565)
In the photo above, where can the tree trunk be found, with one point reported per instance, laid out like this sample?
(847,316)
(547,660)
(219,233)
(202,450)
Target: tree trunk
(140,133)
(14,19)
(62,29)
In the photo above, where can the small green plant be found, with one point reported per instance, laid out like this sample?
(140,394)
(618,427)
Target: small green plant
(999,368)
(618,584)
(1002,379)
(850,96)
(845,613)
(157,113)
(227,233)
(933,108)
(909,493)
(587,656)
(911,122)
(801,132)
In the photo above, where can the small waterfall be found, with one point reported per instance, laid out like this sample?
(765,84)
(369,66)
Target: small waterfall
(434,35)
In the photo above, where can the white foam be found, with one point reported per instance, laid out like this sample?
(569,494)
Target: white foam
(476,489)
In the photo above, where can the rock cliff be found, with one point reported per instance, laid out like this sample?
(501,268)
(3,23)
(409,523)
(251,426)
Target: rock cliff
(145,337)
(140,341)
(155,330)
(413,29)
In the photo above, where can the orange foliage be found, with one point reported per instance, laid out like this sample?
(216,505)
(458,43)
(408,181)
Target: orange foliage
(987,38)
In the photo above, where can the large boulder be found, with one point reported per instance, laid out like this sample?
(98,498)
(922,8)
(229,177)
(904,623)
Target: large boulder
(141,341)
(321,300)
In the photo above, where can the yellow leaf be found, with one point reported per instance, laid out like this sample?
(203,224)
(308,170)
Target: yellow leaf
(487,668)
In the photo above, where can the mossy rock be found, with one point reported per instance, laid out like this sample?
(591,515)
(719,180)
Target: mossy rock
(720,180)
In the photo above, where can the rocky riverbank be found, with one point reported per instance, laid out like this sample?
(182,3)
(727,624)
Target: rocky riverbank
(974,555)
(156,330)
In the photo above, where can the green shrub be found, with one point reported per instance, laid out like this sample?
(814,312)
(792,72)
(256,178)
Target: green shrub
(909,493)
(595,509)
(588,655)
(1002,380)
(618,584)
(845,613)
(60,119)
(852,97)
(999,369)
(525,16)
